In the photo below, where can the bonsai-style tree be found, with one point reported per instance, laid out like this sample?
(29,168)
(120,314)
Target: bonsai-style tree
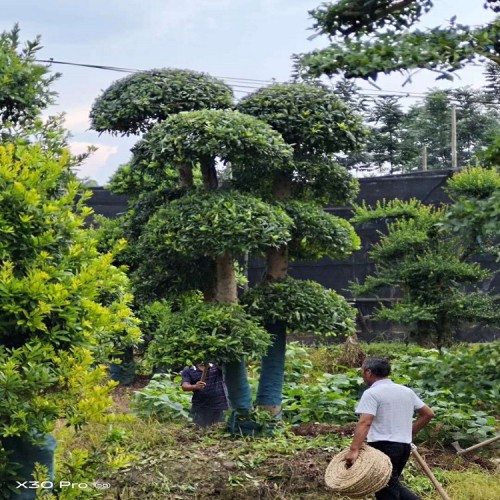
(368,37)
(429,266)
(317,125)
(215,223)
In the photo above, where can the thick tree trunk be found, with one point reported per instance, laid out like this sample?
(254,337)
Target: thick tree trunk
(238,388)
(185,176)
(209,173)
(270,390)
(226,292)
(235,374)
(277,263)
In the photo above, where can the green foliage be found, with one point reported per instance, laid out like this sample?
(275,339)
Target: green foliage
(134,182)
(24,85)
(163,400)
(464,403)
(390,209)
(137,102)
(473,182)
(361,45)
(323,181)
(195,136)
(63,305)
(429,270)
(311,118)
(219,333)
(475,213)
(317,234)
(225,223)
(305,306)
(360,16)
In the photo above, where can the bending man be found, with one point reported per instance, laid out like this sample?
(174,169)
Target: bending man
(386,414)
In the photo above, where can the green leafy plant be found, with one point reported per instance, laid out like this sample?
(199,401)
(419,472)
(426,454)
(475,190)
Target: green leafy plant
(163,399)
(220,333)
(302,304)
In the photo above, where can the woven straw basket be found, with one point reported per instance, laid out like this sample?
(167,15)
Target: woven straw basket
(369,473)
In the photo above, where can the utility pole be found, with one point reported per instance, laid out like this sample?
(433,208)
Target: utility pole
(454,163)
(424,157)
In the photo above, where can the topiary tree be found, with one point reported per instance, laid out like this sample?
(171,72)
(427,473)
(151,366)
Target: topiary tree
(430,268)
(228,223)
(136,103)
(317,125)
(371,37)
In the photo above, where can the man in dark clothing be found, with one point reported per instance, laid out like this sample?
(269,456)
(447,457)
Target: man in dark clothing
(209,397)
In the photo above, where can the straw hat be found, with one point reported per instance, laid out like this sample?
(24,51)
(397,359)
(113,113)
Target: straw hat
(369,473)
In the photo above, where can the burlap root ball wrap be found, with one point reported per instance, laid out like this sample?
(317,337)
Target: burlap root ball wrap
(369,473)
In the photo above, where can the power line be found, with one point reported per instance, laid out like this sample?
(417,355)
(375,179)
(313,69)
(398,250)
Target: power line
(251,83)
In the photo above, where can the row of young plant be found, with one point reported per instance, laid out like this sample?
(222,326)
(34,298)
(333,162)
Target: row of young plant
(318,389)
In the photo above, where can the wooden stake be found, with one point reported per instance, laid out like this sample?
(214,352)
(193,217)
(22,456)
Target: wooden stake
(454,163)
(429,473)
(204,373)
(424,157)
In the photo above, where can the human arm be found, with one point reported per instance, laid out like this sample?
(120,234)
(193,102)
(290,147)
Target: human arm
(424,416)
(186,386)
(360,433)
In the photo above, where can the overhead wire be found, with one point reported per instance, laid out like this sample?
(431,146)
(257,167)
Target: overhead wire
(242,84)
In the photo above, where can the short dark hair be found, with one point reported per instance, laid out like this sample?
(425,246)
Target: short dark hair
(380,367)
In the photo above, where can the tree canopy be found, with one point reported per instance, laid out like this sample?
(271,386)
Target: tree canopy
(137,102)
(368,37)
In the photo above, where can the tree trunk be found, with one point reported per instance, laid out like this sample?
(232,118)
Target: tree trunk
(226,292)
(270,390)
(185,176)
(238,388)
(209,173)
(277,263)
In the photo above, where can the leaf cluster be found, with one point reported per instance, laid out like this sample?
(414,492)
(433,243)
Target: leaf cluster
(347,17)
(219,333)
(310,118)
(136,103)
(305,306)
(317,234)
(24,85)
(443,50)
(231,136)
(218,222)
(63,306)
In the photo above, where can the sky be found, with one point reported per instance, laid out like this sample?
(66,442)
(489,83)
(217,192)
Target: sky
(251,39)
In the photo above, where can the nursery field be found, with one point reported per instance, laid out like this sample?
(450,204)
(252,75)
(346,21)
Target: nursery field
(149,449)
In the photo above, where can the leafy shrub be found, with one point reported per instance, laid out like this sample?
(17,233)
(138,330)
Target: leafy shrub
(304,305)
(331,398)
(219,333)
(64,307)
(163,399)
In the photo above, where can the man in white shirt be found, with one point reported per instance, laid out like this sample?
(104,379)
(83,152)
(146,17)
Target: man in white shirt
(386,414)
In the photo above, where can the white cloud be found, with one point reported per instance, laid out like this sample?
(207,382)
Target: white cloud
(77,120)
(95,166)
